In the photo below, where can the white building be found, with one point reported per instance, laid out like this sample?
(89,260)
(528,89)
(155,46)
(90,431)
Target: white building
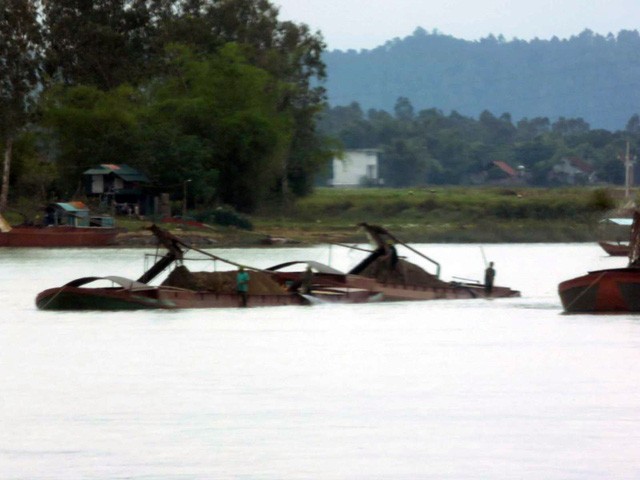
(358,168)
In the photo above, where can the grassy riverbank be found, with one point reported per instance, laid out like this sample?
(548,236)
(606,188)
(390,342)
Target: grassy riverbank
(437,215)
(448,214)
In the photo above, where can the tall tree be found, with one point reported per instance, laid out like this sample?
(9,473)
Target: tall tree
(231,108)
(289,51)
(101,42)
(20,58)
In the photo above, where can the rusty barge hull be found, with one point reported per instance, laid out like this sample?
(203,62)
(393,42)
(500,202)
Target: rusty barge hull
(602,291)
(358,289)
(50,237)
(75,298)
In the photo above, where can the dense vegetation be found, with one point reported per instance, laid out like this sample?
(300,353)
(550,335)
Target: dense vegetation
(590,76)
(223,94)
(430,147)
(216,91)
(448,214)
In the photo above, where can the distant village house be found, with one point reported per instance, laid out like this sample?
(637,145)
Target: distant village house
(573,171)
(500,173)
(358,168)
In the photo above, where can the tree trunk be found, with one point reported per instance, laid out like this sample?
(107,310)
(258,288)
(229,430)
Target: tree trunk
(4,193)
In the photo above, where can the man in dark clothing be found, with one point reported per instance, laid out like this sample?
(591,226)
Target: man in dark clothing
(489,276)
(307,280)
(393,256)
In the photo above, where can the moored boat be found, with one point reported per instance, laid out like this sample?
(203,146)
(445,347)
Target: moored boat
(387,277)
(609,290)
(617,227)
(181,289)
(65,225)
(617,249)
(126,294)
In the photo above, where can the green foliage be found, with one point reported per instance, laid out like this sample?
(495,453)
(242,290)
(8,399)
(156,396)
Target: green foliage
(91,127)
(431,148)
(449,214)
(20,64)
(224,216)
(221,93)
(100,43)
(226,121)
(601,199)
(214,120)
(34,175)
(588,75)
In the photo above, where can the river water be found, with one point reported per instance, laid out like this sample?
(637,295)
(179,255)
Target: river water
(464,389)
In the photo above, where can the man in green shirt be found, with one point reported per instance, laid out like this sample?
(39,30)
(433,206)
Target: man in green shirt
(242,285)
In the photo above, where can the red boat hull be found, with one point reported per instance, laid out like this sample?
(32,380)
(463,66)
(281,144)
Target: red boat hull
(615,249)
(75,298)
(58,237)
(613,290)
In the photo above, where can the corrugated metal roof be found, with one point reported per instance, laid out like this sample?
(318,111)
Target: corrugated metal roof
(626,222)
(505,167)
(72,206)
(123,171)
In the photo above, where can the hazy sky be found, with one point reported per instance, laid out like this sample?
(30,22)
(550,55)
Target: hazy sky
(360,24)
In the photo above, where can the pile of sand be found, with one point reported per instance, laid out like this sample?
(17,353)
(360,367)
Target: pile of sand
(405,273)
(222,282)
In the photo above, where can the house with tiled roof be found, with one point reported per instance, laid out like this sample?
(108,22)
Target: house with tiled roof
(499,172)
(119,185)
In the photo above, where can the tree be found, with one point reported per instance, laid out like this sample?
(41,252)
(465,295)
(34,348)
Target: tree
(103,42)
(217,117)
(633,125)
(90,127)
(288,51)
(403,109)
(20,56)
(570,126)
(404,164)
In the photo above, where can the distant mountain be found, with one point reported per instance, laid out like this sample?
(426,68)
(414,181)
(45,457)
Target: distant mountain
(589,76)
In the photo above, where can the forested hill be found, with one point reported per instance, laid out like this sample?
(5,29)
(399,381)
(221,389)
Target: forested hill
(588,76)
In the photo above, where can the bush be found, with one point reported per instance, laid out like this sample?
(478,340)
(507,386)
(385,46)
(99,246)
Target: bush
(601,200)
(224,216)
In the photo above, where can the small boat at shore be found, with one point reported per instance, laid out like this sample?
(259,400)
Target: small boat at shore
(616,227)
(607,291)
(65,225)
(616,249)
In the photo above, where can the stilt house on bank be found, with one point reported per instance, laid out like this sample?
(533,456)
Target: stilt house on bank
(120,186)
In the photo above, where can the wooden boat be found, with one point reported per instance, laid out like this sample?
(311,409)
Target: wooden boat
(385,277)
(66,225)
(619,249)
(609,290)
(132,295)
(182,289)
(308,283)
(617,226)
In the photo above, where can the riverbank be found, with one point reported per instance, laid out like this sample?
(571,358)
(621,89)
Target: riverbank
(434,215)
